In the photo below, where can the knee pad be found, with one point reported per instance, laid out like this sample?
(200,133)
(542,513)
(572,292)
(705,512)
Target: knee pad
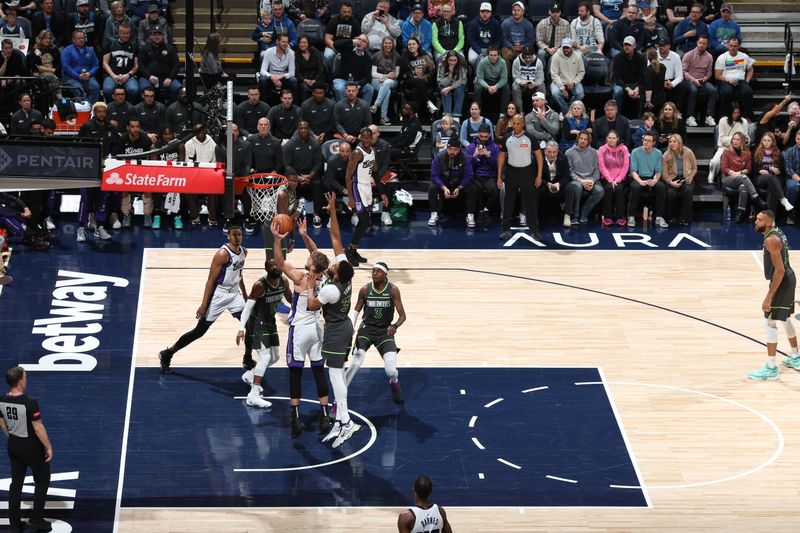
(295,377)
(390,364)
(772,330)
(319,379)
(262,364)
(789,327)
(357,359)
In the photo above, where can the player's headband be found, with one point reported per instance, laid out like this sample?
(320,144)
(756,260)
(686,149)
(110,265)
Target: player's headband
(381,266)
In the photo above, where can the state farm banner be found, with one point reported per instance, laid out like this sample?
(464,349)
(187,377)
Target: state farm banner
(163,176)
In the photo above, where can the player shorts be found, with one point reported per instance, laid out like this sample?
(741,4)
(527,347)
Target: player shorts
(305,339)
(362,198)
(367,337)
(223,300)
(265,335)
(336,343)
(783,302)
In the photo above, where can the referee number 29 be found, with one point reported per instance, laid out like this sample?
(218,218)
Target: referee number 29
(11,413)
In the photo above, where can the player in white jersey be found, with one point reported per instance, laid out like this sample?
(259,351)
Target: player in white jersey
(424,516)
(305,329)
(359,179)
(224,290)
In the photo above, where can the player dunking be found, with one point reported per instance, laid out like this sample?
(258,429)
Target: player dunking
(224,290)
(424,516)
(359,178)
(779,302)
(305,330)
(379,300)
(265,295)
(334,299)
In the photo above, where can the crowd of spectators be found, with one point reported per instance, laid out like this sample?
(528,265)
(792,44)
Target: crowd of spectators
(322,76)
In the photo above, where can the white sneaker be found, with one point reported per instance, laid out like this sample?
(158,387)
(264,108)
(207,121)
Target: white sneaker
(386,218)
(115,223)
(432,107)
(347,431)
(434,218)
(254,400)
(523,220)
(631,222)
(334,432)
(567,221)
(710,121)
(81,235)
(691,122)
(470,220)
(101,233)
(50,224)
(661,223)
(248,377)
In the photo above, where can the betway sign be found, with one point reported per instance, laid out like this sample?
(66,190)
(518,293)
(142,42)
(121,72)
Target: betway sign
(163,176)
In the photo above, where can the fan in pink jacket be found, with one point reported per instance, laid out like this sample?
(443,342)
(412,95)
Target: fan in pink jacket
(614,161)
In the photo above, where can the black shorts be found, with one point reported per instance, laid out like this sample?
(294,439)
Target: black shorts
(783,302)
(369,336)
(336,342)
(264,335)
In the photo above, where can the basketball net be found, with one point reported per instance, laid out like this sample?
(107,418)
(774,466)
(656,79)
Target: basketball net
(264,190)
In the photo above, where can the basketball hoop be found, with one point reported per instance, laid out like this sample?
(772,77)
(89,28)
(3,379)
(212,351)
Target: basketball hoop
(263,190)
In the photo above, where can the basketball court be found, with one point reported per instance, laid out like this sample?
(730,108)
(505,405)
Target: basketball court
(544,389)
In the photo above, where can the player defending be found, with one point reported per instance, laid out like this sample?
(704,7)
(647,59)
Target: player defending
(286,204)
(779,302)
(334,300)
(379,300)
(224,290)
(305,330)
(359,178)
(265,295)
(424,516)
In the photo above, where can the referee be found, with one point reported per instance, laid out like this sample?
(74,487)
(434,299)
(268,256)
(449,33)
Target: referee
(28,446)
(522,159)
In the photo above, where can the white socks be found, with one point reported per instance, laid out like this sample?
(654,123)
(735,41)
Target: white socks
(390,366)
(339,385)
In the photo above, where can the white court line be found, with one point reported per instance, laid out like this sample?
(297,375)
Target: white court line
(480,475)
(28,504)
(493,402)
(561,479)
(373,437)
(758,260)
(509,463)
(625,438)
(526,391)
(753,470)
(478,443)
(463,392)
(124,452)
(472,421)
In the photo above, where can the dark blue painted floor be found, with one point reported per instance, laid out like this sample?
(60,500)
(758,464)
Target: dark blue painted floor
(189,434)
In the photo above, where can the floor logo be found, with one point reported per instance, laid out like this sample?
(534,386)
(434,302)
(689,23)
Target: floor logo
(5,160)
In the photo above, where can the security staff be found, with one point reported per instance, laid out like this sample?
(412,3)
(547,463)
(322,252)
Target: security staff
(28,447)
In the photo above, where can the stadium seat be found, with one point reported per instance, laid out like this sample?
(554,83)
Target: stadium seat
(596,86)
(538,9)
(315,31)
(470,9)
(435,127)
(503,8)
(330,148)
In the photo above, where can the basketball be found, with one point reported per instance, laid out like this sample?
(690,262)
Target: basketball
(284,223)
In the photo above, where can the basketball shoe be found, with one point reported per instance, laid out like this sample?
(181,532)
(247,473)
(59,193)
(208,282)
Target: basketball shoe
(792,362)
(334,432)
(346,432)
(248,377)
(297,427)
(397,395)
(764,374)
(254,399)
(325,424)
(165,358)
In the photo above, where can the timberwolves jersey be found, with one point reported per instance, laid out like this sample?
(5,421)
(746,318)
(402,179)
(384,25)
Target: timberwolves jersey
(363,175)
(378,308)
(336,312)
(267,303)
(769,268)
(427,520)
(231,274)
